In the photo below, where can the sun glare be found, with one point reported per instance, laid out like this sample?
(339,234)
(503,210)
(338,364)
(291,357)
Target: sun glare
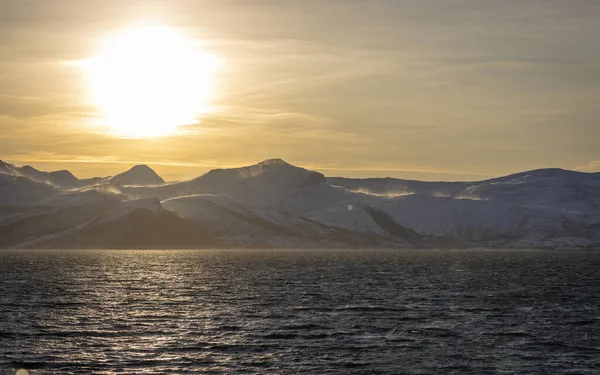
(148,81)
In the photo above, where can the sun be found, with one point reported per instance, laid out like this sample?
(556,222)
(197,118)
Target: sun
(147,81)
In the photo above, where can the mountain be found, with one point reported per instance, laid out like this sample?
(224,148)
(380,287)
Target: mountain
(138,175)
(19,191)
(6,168)
(265,184)
(392,187)
(62,178)
(554,188)
(277,205)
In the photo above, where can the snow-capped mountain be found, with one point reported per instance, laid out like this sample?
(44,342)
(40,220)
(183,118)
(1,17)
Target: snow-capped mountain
(276,204)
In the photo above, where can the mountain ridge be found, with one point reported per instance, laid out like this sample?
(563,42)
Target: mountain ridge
(137,175)
(276,204)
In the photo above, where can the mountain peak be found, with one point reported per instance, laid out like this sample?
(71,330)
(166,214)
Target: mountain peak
(29,168)
(258,184)
(254,169)
(138,175)
(141,167)
(276,161)
(5,168)
(547,173)
(63,173)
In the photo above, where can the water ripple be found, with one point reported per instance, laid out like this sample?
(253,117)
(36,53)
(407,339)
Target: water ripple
(299,312)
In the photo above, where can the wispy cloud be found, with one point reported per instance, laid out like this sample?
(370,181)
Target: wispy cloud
(397,170)
(433,88)
(593,166)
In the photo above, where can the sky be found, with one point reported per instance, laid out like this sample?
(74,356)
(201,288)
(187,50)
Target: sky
(420,89)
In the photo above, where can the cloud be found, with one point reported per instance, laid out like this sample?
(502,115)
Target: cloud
(110,164)
(593,166)
(496,85)
(269,124)
(375,168)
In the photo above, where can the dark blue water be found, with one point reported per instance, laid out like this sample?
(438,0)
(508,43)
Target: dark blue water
(309,312)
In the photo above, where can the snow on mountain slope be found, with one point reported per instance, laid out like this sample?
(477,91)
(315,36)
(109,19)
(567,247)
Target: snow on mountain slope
(273,204)
(34,223)
(73,198)
(549,174)
(237,224)
(272,191)
(6,168)
(223,215)
(138,175)
(126,207)
(137,228)
(475,220)
(555,188)
(22,191)
(392,187)
(348,216)
(109,223)
(266,184)
(63,178)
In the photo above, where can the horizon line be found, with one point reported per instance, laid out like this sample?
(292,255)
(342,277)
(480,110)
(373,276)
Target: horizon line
(300,165)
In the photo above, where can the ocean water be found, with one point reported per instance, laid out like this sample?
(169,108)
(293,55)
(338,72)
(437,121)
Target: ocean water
(300,312)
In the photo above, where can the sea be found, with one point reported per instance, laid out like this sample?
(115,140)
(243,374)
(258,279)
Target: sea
(299,312)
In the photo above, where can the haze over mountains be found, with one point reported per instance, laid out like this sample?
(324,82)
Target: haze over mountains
(275,204)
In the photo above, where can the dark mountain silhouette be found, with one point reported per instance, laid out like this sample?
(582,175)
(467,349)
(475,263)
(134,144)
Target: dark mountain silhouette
(138,175)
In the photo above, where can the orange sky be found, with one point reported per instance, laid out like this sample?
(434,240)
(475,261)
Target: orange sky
(453,90)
